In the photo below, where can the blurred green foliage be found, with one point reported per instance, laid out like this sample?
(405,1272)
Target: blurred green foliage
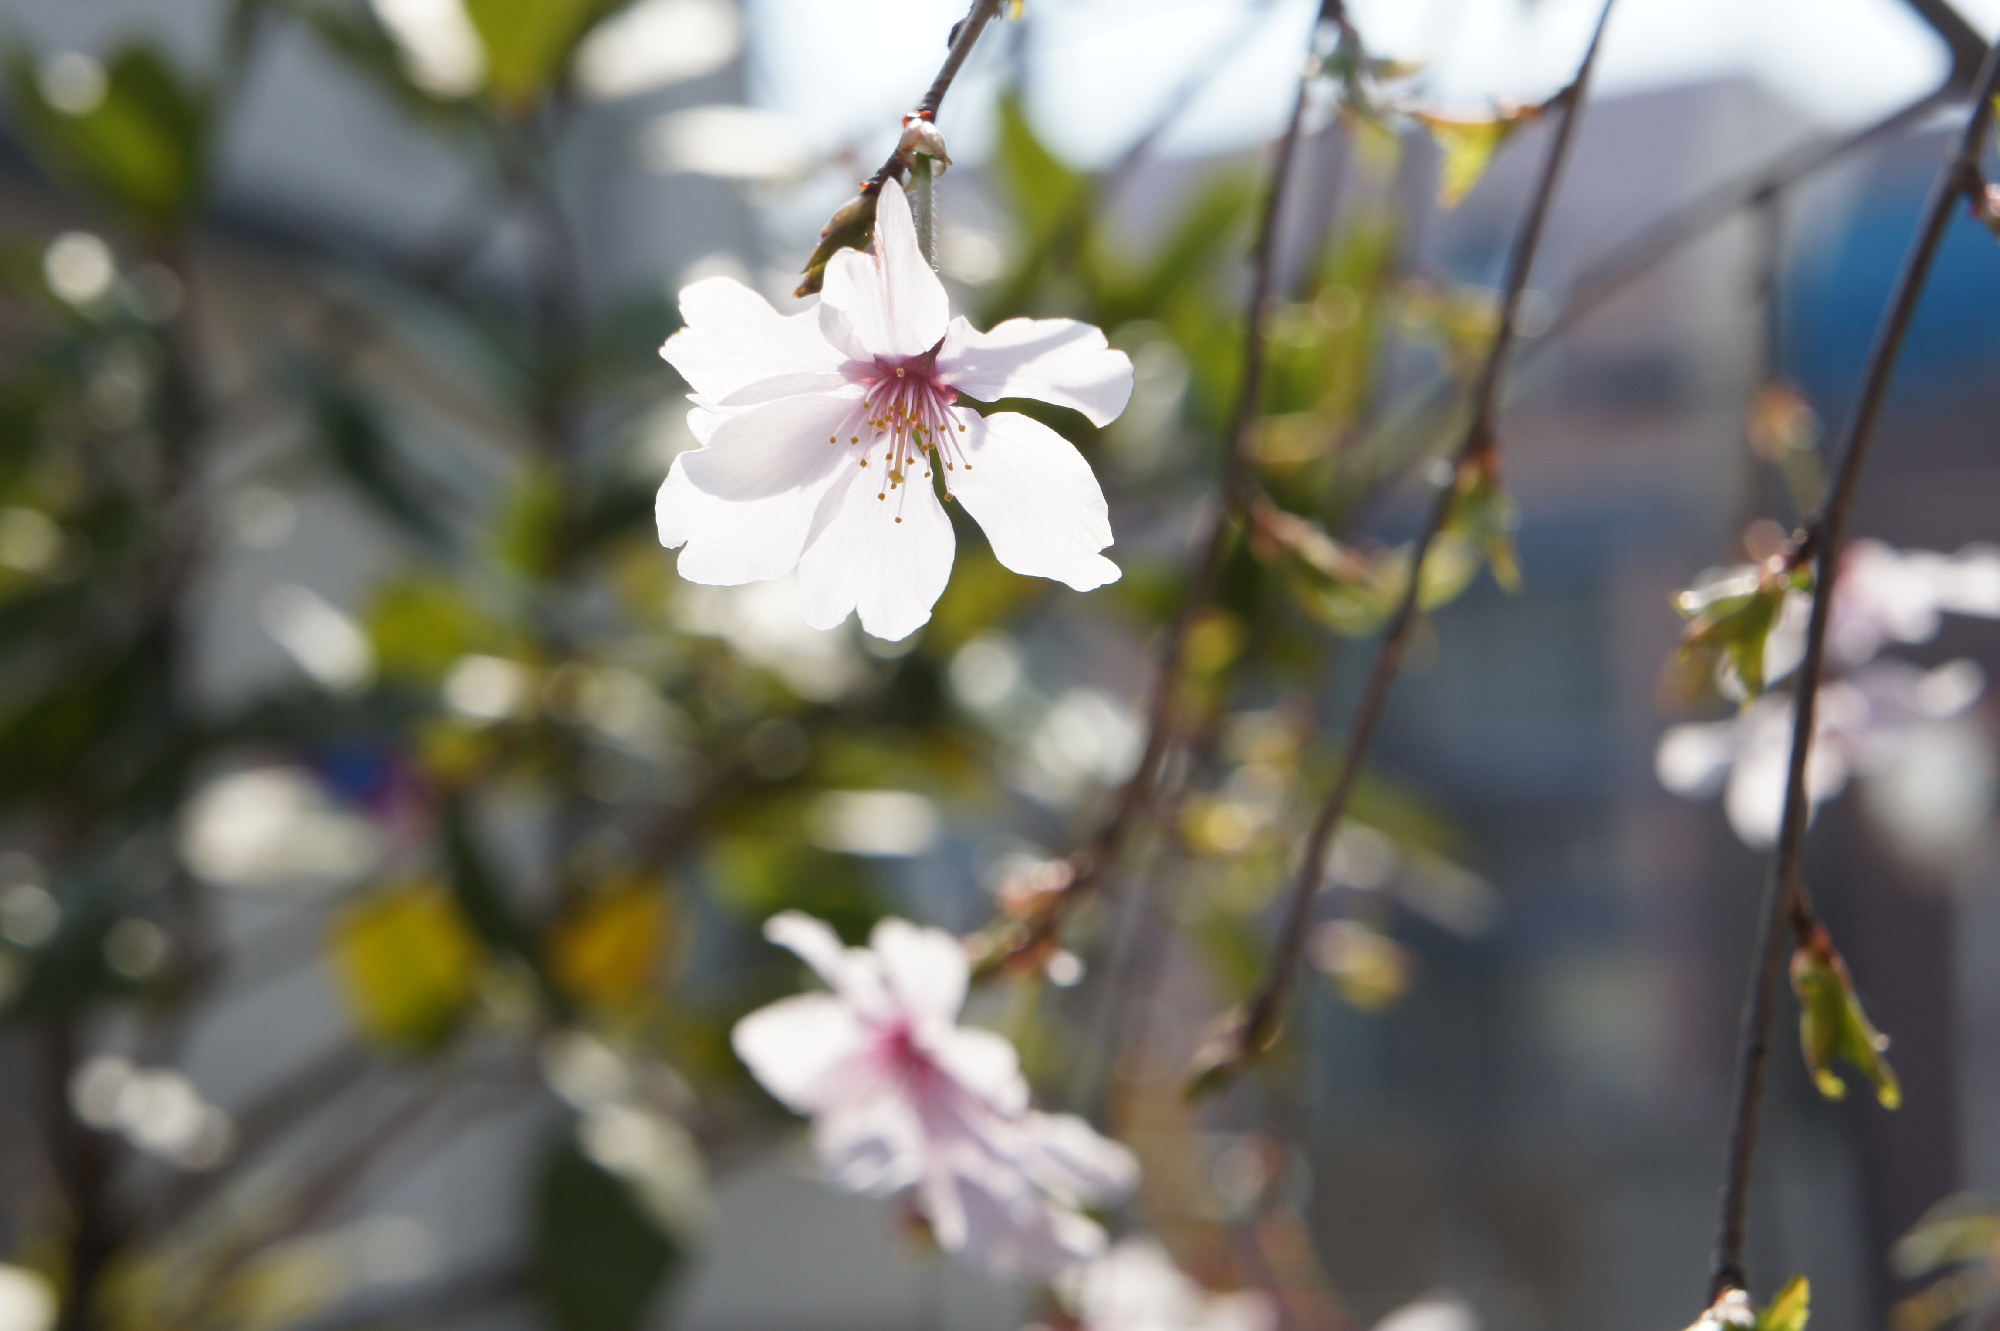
(581,784)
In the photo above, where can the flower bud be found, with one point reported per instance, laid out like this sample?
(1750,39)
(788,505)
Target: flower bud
(849,228)
(860,208)
(921,139)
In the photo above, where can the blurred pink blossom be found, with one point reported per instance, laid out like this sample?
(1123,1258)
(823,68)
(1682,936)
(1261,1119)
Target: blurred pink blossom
(1863,724)
(1884,596)
(903,1098)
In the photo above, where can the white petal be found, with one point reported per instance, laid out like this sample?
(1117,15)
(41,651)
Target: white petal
(1436,1312)
(795,1047)
(861,558)
(1069,1158)
(1060,361)
(702,422)
(1035,497)
(870,1143)
(925,968)
(744,504)
(1022,1235)
(1755,801)
(1975,584)
(943,1202)
(985,1066)
(812,941)
(732,338)
(1694,757)
(892,303)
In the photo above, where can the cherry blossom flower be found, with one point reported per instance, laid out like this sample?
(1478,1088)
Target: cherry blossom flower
(903,1099)
(1863,724)
(1137,1287)
(1884,596)
(824,433)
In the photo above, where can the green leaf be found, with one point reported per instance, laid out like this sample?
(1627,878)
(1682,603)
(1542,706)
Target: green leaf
(1040,188)
(600,1254)
(1787,1311)
(356,38)
(1734,616)
(421,625)
(1351,592)
(1958,1229)
(529,537)
(1469,147)
(1732,1311)
(527,43)
(1360,76)
(141,146)
(407,962)
(1784,431)
(1832,1024)
(1485,516)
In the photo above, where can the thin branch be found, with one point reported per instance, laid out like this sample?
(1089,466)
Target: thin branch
(1260,1022)
(1714,207)
(1786,901)
(1692,221)
(964,36)
(1090,862)
(854,222)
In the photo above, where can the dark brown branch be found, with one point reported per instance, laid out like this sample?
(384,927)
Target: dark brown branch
(1968,49)
(964,36)
(853,224)
(1089,863)
(1260,1021)
(1785,897)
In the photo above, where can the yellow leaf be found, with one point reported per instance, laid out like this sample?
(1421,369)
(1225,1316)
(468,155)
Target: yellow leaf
(1787,1311)
(605,950)
(527,42)
(1469,146)
(407,962)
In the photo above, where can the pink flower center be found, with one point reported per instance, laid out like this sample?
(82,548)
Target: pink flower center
(903,1058)
(908,411)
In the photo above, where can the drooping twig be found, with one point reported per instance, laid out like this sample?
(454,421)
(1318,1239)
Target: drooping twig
(854,223)
(1089,863)
(1709,210)
(1260,1020)
(964,36)
(1786,901)
(1675,231)
(1066,238)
